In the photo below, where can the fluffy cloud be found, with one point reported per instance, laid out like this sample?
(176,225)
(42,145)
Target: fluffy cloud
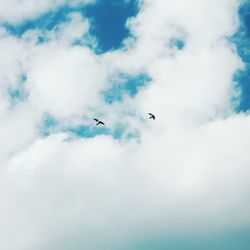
(16,11)
(187,171)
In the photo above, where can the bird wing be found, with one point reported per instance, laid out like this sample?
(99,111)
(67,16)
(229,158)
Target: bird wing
(150,114)
(102,123)
(96,119)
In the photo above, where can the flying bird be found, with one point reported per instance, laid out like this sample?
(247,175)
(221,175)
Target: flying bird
(151,116)
(98,122)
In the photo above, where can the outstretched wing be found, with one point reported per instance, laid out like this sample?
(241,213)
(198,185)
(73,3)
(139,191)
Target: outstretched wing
(150,114)
(102,123)
(96,119)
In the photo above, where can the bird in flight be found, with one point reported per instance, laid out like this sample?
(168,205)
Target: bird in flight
(151,116)
(98,122)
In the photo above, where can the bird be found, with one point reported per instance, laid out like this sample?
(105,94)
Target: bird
(151,116)
(99,122)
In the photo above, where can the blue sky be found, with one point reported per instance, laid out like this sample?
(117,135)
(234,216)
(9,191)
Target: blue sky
(123,84)
(189,165)
(108,21)
(241,39)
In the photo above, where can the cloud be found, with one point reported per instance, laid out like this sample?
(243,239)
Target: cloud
(16,11)
(185,173)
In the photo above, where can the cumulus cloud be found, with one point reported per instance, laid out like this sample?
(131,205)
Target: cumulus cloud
(187,171)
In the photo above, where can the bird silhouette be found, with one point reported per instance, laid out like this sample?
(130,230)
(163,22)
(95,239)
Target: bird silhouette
(98,122)
(151,116)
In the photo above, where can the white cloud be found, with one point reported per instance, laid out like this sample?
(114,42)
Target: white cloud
(189,172)
(68,83)
(17,11)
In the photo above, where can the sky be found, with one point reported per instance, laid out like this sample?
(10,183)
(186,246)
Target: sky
(179,182)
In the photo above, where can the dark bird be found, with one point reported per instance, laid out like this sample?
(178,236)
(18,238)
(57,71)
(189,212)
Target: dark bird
(151,116)
(99,122)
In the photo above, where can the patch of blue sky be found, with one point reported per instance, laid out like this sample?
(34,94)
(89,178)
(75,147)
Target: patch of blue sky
(84,131)
(123,85)
(109,19)
(88,131)
(15,93)
(242,39)
(18,94)
(177,43)
(88,41)
(50,125)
